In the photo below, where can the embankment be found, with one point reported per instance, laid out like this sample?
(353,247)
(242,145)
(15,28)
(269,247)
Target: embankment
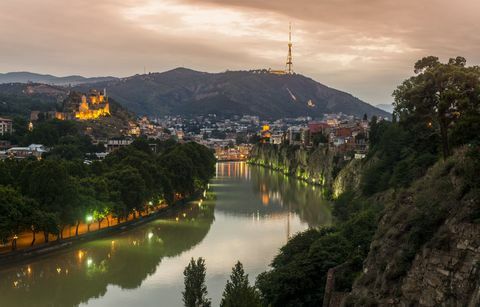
(319,165)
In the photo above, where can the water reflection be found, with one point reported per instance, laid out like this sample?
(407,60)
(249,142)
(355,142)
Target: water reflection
(249,215)
(270,194)
(76,275)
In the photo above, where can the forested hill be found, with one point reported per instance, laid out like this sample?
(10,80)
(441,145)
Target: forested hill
(184,92)
(28,77)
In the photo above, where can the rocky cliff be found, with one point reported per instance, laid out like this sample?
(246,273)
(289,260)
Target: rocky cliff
(426,250)
(319,165)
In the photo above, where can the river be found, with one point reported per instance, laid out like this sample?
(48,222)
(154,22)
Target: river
(248,214)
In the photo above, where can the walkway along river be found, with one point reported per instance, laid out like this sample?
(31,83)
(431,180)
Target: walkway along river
(248,215)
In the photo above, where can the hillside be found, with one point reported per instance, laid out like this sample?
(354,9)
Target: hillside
(27,77)
(425,251)
(19,99)
(187,92)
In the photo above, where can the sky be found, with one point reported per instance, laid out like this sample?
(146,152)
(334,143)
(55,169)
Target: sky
(364,47)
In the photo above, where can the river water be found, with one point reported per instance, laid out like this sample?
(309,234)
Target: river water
(248,214)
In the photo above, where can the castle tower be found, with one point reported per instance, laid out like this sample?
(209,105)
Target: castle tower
(289,64)
(84,105)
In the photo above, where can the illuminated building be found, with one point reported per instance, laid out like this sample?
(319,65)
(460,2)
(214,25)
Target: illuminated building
(266,134)
(94,107)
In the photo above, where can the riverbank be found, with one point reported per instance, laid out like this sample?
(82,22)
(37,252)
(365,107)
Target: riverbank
(27,254)
(318,166)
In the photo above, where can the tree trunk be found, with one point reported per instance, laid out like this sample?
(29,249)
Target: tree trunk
(14,244)
(99,224)
(108,222)
(45,234)
(444,136)
(33,238)
(134,214)
(60,237)
(88,227)
(118,220)
(76,228)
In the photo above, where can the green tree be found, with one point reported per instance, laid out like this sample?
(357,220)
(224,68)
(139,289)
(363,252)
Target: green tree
(195,294)
(438,96)
(12,208)
(238,292)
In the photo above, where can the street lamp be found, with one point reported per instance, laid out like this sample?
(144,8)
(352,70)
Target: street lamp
(89,220)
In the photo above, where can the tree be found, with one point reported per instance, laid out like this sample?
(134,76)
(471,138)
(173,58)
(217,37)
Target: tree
(195,294)
(238,292)
(438,96)
(12,207)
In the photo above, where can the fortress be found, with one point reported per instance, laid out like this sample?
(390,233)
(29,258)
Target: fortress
(79,107)
(94,107)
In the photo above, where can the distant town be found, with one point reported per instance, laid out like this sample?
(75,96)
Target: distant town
(231,138)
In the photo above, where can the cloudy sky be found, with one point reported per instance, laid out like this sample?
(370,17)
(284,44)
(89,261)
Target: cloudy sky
(365,47)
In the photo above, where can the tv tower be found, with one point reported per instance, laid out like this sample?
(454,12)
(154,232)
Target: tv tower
(289,64)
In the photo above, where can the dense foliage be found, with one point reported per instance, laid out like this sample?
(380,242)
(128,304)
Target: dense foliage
(195,294)
(436,110)
(238,292)
(53,193)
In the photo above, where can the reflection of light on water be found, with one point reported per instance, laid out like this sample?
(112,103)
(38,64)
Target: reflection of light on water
(265,199)
(89,262)
(150,235)
(80,255)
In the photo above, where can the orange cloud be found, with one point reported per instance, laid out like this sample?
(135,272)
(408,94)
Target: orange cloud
(365,47)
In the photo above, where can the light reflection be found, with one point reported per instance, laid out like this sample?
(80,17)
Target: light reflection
(80,255)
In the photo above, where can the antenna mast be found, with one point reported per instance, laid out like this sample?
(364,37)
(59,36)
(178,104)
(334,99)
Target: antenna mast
(289,64)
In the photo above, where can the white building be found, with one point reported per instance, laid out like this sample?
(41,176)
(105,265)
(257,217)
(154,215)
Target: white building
(34,150)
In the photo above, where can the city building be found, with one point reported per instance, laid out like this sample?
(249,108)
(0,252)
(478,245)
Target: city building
(113,145)
(6,126)
(34,150)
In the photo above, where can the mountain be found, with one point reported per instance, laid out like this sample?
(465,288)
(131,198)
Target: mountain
(187,92)
(27,77)
(386,107)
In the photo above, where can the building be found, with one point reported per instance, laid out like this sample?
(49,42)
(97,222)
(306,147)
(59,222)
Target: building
(94,107)
(6,126)
(266,133)
(34,150)
(113,145)
(299,136)
(318,127)
(276,138)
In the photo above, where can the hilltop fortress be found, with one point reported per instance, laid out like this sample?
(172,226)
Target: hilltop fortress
(96,106)
(78,106)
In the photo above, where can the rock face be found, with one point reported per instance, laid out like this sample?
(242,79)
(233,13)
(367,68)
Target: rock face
(426,251)
(317,166)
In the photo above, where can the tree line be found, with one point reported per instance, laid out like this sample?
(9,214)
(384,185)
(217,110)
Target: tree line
(48,195)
